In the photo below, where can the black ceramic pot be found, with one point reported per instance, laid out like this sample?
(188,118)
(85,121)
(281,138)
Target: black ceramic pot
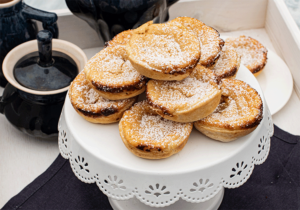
(35,112)
(32,114)
(17,27)
(110,17)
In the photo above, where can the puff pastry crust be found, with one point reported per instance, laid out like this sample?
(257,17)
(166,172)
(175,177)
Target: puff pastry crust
(121,38)
(163,51)
(238,114)
(253,53)
(94,108)
(148,135)
(211,43)
(112,75)
(188,100)
(228,64)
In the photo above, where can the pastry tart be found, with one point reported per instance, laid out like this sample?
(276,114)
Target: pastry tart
(211,43)
(188,100)
(163,51)
(148,135)
(253,53)
(121,38)
(94,108)
(228,64)
(238,114)
(112,75)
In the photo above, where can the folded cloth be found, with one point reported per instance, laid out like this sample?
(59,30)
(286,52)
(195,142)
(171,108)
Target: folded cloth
(272,185)
(276,183)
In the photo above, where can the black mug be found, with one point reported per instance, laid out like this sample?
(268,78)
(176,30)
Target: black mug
(35,115)
(33,110)
(110,17)
(17,27)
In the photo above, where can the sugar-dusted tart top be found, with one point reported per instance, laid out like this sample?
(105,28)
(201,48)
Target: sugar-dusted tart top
(241,107)
(121,38)
(168,48)
(87,100)
(228,64)
(184,95)
(111,71)
(253,53)
(144,128)
(211,43)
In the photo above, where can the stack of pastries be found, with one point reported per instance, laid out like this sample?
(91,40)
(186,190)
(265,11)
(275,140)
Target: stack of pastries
(187,72)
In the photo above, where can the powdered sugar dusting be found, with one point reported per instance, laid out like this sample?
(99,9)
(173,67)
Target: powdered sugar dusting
(185,93)
(168,55)
(226,112)
(110,67)
(88,99)
(121,38)
(240,106)
(211,43)
(149,129)
(228,63)
(250,50)
(165,51)
(156,128)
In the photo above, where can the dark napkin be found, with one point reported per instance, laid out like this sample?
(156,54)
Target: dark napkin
(272,185)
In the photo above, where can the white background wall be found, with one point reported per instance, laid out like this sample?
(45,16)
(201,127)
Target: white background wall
(47,4)
(293,5)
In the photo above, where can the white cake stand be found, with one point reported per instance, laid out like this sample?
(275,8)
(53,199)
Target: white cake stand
(192,179)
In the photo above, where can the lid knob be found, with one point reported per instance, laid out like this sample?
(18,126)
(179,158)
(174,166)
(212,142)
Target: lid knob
(45,70)
(44,39)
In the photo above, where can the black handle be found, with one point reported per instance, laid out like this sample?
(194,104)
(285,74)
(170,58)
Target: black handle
(9,94)
(44,39)
(171,2)
(103,31)
(2,105)
(47,18)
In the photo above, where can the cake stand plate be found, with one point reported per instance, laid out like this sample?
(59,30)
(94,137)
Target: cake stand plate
(195,175)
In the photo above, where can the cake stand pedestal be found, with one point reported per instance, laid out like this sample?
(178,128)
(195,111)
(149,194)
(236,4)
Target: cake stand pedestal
(194,178)
(135,204)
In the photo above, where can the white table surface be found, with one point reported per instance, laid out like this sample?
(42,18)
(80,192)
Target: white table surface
(23,158)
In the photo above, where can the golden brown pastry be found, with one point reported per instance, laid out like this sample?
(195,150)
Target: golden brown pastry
(163,51)
(93,107)
(253,53)
(228,64)
(112,75)
(238,114)
(188,100)
(211,43)
(148,135)
(121,38)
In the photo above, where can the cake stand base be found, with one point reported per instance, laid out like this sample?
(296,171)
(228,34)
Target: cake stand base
(135,204)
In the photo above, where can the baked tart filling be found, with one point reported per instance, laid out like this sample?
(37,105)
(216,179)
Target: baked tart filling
(228,64)
(253,53)
(112,74)
(163,51)
(188,100)
(89,104)
(238,114)
(148,135)
(121,38)
(211,43)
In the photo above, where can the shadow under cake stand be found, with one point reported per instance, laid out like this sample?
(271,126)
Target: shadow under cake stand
(194,178)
